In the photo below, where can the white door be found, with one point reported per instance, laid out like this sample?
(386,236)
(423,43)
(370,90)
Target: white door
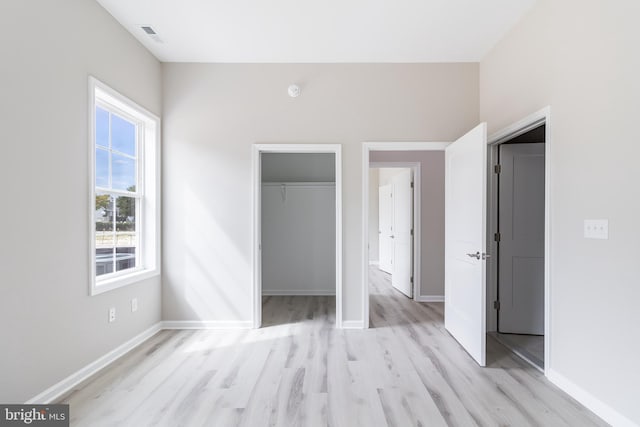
(385,221)
(465,241)
(521,246)
(401,278)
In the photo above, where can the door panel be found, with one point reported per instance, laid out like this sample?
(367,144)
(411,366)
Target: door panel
(385,221)
(402,239)
(521,227)
(465,234)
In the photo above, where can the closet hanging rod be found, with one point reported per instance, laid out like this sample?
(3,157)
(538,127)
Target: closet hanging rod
(300,184)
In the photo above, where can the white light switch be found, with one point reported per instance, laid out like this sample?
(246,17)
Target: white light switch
(596,229)
(134,305)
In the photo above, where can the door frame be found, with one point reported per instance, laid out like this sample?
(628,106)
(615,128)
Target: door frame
(416,220)
(256,169)
(367,148)
(541,117)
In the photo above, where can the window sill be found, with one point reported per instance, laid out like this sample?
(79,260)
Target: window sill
(102,286)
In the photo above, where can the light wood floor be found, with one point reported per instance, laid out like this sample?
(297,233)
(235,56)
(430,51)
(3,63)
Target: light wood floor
(529,346)
(300,371)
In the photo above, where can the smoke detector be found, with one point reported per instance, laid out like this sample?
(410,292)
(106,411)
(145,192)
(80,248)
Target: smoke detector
(293,91)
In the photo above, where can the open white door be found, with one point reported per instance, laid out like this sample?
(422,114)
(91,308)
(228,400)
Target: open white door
(402,238)
(465,241)
(385,243)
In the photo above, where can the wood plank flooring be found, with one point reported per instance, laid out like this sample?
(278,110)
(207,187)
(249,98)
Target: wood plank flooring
(531,347)
(298,370)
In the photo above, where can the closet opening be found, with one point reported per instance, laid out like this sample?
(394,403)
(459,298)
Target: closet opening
(297,234)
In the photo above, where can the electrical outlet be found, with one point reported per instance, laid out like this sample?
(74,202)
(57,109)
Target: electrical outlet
(112,314)
(596,229)
(134,305)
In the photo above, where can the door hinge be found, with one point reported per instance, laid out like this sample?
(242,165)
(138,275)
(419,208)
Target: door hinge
(496,305)
(411,184)
(411,279)
(497,237)
(412,231)
(497,168)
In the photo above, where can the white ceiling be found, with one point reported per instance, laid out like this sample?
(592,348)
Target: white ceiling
(319,31)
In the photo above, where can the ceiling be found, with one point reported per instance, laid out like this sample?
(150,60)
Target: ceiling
(319,31)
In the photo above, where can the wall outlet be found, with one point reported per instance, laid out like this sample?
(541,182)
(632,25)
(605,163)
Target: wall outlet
(134,305)
(596,229)
(112,314)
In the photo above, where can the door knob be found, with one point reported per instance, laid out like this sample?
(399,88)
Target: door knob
(478,255)
(392,236)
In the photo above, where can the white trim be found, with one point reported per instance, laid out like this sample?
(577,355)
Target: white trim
(589,401)
(257,149)
(148,192)
(407,146)
(367,147)
(374,262)
(297,292)
(118,281)
(352,324)
(207,324)
(430,298)
(62,387)
(530,122)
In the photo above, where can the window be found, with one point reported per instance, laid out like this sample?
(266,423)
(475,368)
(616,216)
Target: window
(124,148)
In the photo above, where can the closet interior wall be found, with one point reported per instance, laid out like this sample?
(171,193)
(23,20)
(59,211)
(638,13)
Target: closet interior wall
(298,224)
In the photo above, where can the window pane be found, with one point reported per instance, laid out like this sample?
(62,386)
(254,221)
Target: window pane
(104,219)
(123,173)
(102,168)
(126,240)
(102,127)
(123,135)
(125,258)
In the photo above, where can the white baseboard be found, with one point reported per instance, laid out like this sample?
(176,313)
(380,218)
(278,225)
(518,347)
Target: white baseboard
(64,386)
(374,262)
(352,324)
(598,407)
(430,298)
(207,324)
(298,292)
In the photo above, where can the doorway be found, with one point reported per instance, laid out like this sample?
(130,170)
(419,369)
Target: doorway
(426,288)
(297,230)
(394,234)
(518,234)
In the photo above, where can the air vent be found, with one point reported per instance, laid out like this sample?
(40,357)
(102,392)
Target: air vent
(148,30)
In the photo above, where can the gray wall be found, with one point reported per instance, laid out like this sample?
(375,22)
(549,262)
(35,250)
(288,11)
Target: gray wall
(301,167)
(582,58)
(213,113)
(432,213)
(298,239)
(50,326)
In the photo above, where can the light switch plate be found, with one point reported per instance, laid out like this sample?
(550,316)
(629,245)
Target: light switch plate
(596,229)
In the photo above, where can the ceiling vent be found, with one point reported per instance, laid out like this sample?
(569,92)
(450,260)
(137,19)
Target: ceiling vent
(151,33)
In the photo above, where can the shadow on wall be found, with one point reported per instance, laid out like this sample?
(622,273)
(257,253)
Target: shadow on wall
(206,280)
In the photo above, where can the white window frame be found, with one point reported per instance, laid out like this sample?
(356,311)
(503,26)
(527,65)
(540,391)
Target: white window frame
(147,188)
